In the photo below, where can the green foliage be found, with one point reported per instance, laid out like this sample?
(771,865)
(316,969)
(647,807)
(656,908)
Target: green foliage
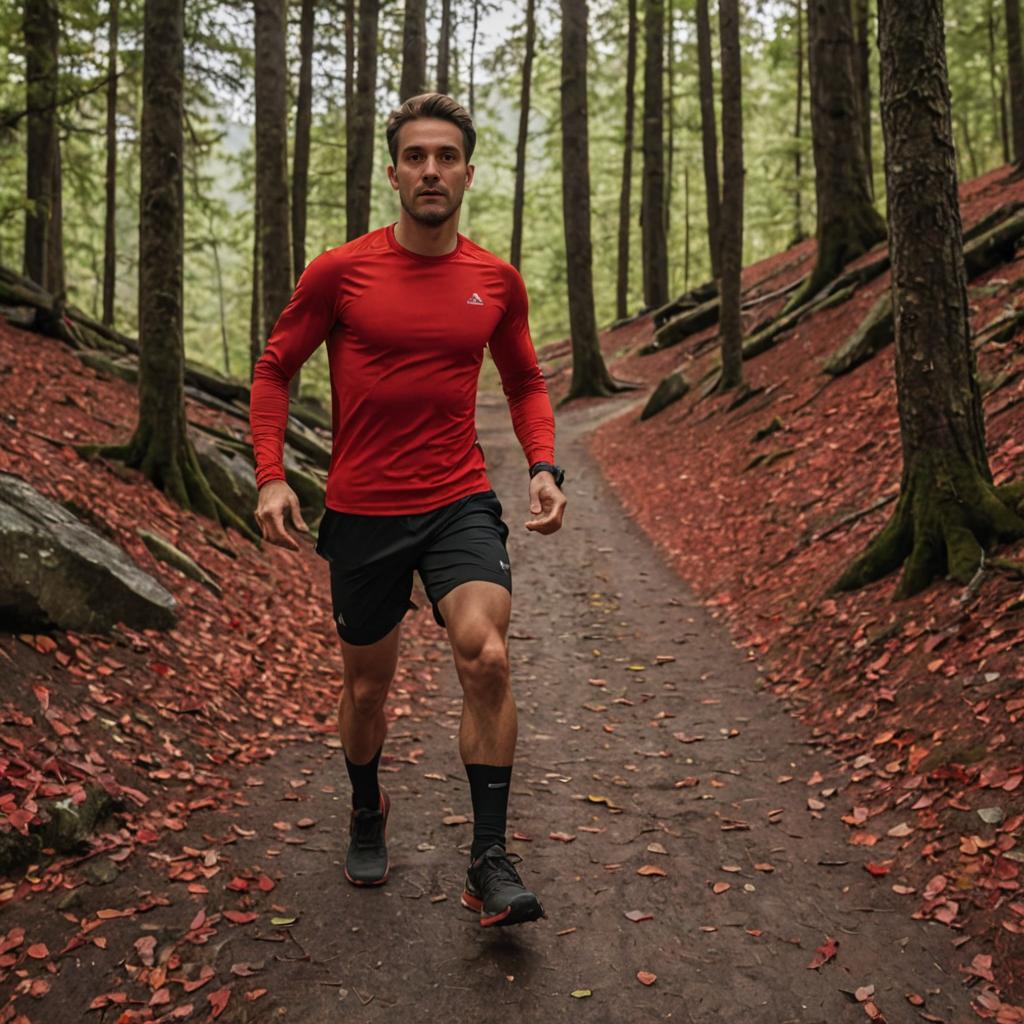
(219,150)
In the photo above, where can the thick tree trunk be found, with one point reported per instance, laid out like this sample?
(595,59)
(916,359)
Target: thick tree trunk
(798,130)
(862,62)
(670,116)
(848,223)
(444,47)
(160,446)
(414,50)
(589,374)
(730,322)
(709,134)
(519,194)
(652,213)
(272,158)
(626,189)
(359,159)
(110,208)
(43,243)
(1016,73)
(949,511)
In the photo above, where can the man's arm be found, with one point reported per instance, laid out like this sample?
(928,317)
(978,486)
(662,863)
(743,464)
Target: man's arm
(301,327)
(529,403)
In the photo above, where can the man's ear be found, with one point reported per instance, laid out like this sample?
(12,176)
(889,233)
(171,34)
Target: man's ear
(392,177)
(470,171)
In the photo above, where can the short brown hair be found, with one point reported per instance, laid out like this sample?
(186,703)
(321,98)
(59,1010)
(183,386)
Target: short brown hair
(431,104)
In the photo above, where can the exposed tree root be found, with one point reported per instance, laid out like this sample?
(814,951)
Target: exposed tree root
(947,516)
(175,470)
(604,390)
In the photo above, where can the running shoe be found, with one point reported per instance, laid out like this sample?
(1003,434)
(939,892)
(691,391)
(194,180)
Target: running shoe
(495,890)
(367,859)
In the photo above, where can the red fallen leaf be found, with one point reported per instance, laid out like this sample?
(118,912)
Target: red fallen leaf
(719,887)
(219,1000)
(38,951)
(15,937)
(914,999)
(238,885)
(180,1012)
(878,870)
(253,994)
(651,871)
(43,696)
(522,837)
(646,977)
(145,947)
(824,953)
(242,970)
(241,916)
(305,822)
(265,884)
(197,921)
(638,915)
(562,837)
(206,972)
(109,913)
(160,997)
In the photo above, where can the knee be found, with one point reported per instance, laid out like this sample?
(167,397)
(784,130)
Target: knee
(366,696)
(484,668)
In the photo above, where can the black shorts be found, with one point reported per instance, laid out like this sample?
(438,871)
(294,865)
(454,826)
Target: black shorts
(372,559)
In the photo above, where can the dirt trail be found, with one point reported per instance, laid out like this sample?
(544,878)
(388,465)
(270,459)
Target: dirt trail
(590,603)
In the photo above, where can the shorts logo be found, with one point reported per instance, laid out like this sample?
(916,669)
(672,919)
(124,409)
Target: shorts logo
(504,565)
(341,619)
(474,300)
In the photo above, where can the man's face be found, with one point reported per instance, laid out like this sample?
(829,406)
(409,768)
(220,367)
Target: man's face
(431,173)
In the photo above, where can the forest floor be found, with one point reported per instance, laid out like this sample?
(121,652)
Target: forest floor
(780,827)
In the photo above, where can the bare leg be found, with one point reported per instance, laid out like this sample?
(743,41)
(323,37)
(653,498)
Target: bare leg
(477,614)
(369,670)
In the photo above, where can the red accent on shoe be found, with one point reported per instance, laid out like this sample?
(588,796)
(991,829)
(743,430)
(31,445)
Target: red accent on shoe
(486,922)
(471,902)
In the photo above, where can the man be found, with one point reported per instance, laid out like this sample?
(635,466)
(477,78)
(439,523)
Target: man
(407,311)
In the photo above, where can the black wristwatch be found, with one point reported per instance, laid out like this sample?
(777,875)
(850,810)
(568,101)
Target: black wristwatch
(549,467)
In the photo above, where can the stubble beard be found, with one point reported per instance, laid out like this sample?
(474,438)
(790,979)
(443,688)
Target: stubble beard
(430,217)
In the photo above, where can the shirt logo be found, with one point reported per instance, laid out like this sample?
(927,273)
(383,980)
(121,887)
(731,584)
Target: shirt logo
(504,565)
(474,300)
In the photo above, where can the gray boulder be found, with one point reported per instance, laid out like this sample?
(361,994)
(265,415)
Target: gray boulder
(56,572)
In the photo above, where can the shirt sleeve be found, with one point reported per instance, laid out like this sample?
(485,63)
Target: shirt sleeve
(301,327)
(521,378)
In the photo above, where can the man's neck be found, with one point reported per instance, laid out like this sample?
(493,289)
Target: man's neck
(427,239)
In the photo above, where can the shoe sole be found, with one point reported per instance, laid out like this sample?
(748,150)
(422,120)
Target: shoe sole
(371,882)
(521,912)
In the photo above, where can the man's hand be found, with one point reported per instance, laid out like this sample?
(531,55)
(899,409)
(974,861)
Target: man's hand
(276,503)
(547,503)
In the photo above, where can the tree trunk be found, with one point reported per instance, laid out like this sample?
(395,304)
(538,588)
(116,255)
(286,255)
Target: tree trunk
(1015,66)
(625,192)
(709,134)
(350,68)
(110,209)
(272,158)
(731,259)
(444,46)
(589,374)
(300,164)
(472,58)
(670,114)
(160,446)
(997,86)
(686,226)
(519,194)
(862,61)
(848,223)
(798,127)
(41,29)
(948,511)
(414,50)
(652,213)
(256,332)
(359,159)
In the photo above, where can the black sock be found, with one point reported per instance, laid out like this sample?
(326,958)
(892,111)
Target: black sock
(488,788)
(365,791)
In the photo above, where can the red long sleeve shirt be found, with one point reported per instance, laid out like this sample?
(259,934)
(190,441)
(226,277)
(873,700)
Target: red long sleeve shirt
(405,339)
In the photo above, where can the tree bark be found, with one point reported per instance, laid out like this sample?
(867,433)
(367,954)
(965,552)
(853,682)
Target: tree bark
(670,115)
(160,446)
(626,189)
(798,127)
(1015,65)
(589,374)
(862,61)
(43,245)
(303,126)
(997,86)
(414,50)
(948,511)
(652,213)
(731,258)
(472,58)
(519,194)
(709,134)
(272,158)
(110,209)
(359,159)
(848,223)
(444,46)
(256,332)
